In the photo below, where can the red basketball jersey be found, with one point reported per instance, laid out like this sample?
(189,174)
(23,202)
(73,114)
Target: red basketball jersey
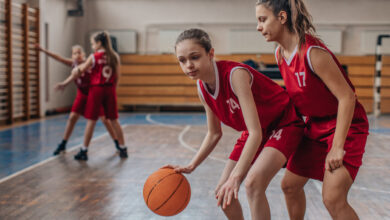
(101,73)
(83,81)
(269,97)
(308,92)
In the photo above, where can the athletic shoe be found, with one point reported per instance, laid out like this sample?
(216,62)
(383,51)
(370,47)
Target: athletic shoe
(60,148)
(81,155)
(123,152)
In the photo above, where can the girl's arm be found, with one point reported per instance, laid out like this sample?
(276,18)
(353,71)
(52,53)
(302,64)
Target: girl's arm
(66,61)
(63,84)
(118,69)
(241,81)
(214,134)
(326,68)
(76,72)
(84,66)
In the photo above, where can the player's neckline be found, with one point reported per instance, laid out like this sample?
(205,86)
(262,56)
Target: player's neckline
(289,60)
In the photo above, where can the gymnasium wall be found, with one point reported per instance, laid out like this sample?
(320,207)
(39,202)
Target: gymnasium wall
(59,37)
(148,17)
(218,17)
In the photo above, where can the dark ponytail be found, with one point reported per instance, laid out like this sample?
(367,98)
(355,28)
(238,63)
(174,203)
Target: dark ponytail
(105,40)
(198,35)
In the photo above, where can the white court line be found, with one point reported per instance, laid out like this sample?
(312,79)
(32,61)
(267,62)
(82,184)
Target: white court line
(181,135)
(184,144)
(48,159)
(149,119)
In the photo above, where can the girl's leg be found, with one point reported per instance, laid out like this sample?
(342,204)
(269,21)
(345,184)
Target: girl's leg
(292,186)
(82,154)
(335,192)
(234,210)
(118,131)
(73,117)
(259,176)
(107,123)
(89,132)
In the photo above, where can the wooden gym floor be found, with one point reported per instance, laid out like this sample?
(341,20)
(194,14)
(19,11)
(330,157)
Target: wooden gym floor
(36,185)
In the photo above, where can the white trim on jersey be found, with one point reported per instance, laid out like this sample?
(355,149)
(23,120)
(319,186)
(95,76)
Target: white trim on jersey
(230,77)
(276,54)
(216,92)
(93,60)
(291,56)
(308,56)
(199,89)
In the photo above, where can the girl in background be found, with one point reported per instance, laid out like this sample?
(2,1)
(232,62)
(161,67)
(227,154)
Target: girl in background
(104,65)
(78,107)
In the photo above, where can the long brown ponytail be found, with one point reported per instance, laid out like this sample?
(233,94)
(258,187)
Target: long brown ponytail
(104,38)
(299,20)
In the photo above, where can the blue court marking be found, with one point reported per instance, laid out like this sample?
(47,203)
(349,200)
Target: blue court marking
(26,145)
(385,131)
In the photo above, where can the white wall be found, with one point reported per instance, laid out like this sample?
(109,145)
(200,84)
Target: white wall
(61,36)
(217,17)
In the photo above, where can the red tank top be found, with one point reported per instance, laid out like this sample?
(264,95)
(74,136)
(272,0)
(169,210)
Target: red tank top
(101,73)
(308,92)
(269,97)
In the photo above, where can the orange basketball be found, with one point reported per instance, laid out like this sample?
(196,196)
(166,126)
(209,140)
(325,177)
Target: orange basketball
(166,192)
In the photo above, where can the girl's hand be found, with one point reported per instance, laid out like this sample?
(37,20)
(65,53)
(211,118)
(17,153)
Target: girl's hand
(180,169)
(59,86)
(75,71)
(228,191)
(334,159)
(37,46)
(216,191)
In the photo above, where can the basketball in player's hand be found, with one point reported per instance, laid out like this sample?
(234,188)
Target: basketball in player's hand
(166,192)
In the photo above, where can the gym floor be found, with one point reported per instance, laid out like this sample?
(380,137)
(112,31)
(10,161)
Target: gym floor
(36,185)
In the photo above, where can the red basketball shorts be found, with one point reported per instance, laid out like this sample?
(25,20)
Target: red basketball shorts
(101,97)
(286,137)
(80,103)
(309,159)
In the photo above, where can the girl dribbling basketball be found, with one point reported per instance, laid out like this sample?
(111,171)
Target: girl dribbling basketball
(246,100)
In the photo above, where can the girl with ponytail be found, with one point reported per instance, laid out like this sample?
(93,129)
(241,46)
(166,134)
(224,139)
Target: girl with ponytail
(105,67)
(336,123)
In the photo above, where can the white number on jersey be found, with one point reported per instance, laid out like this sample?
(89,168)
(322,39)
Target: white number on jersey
(301,79)
(277,135)
(107,72)
(232,105)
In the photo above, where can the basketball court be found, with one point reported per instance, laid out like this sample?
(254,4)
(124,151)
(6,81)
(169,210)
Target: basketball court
(36,185)
(162,118)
